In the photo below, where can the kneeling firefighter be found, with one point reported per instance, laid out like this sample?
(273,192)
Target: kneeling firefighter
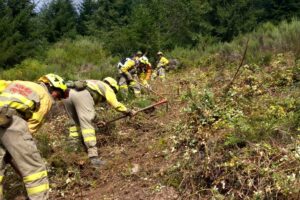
(80,108)
(23,106)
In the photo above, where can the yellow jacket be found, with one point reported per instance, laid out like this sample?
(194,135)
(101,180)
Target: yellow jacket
(25,95)
(107,94)
(3,84)
(163,62)
(128,65)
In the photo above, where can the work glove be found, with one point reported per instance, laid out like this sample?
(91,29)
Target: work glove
(147,86)
(101,124)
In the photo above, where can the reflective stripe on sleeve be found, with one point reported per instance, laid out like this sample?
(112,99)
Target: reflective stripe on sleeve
(15,105)
(23,99)
(1,179)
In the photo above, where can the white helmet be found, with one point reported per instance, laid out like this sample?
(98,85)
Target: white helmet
(144,60)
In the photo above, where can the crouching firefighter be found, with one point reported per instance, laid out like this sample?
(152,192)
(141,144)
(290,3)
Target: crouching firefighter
(80,108)
(127,74)
(23,106)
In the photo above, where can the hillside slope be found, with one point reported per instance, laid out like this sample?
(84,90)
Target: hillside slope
(241,145)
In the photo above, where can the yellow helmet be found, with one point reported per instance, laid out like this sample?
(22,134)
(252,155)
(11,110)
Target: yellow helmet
(112,82)
(54,81)
(139,53)
(144,60)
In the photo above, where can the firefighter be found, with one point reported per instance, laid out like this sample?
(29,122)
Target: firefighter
(127,73)
(23,106)
(144,71)
(80,108)
(138,55)
(161,66)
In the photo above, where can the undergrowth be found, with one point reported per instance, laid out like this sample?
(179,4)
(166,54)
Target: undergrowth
(241,143)
(72,59)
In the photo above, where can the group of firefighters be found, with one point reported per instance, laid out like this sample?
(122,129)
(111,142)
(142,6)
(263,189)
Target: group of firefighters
(24,105)
(135,72)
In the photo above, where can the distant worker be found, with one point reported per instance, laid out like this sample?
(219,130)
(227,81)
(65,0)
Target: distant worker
(138,55)
(161,66)
(135,57)
(144,71)
(127,72)
(80,108)
(23,106)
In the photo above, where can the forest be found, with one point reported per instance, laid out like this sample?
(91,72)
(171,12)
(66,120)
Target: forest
(124,26)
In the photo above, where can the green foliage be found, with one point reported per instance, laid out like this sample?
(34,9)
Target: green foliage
(29,69)
(241,16)
(149,25)
(187,57)
(17,32)
(59,20)
(87,10)
(43,144)
(84,57)
(79,59)
(264,43)
(14,183)
(143,102)
(247,140)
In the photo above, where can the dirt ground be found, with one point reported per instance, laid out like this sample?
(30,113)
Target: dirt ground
(134,160)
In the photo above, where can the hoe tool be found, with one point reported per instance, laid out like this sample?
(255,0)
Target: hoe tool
(155,93)
(163,101)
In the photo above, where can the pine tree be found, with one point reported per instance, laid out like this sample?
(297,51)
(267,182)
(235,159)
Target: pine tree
(17,29)
(278,10)
(87,10)
(59,20)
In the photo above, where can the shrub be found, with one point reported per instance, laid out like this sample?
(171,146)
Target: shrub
(73,59)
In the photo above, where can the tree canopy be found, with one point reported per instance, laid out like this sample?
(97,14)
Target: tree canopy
(127,25)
